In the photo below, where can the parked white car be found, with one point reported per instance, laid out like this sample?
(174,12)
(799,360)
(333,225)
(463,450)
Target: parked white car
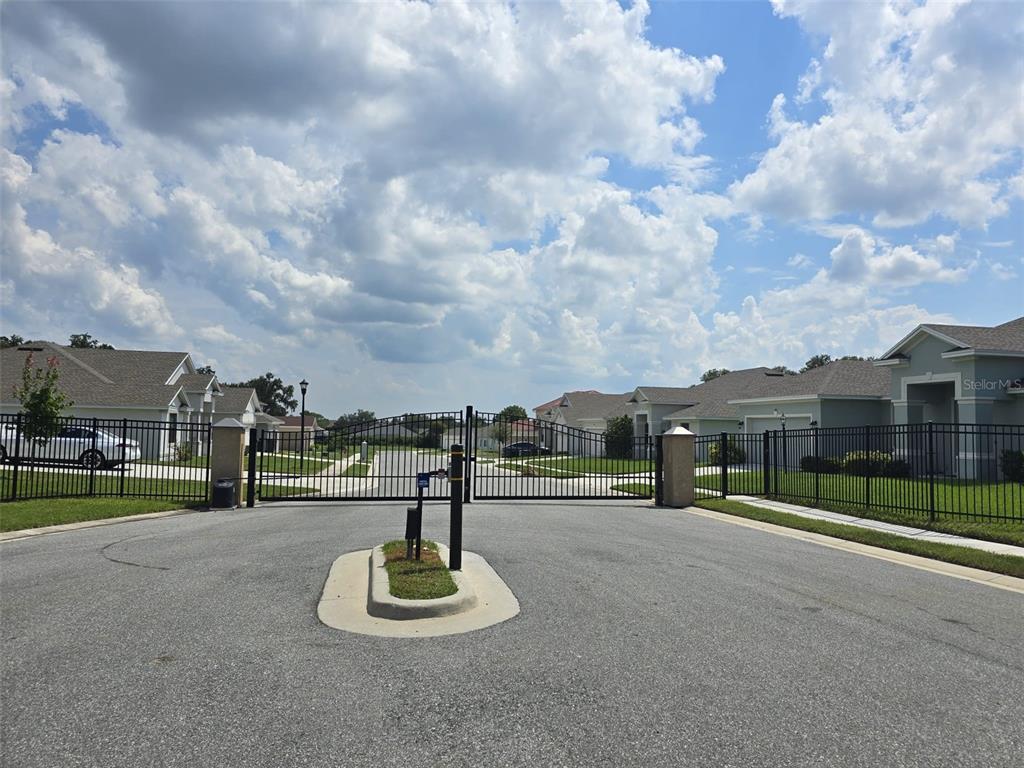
(73,444)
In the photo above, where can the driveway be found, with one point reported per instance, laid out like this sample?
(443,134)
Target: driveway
(647,637)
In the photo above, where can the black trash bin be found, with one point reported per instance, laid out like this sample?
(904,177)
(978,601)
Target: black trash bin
(223,494)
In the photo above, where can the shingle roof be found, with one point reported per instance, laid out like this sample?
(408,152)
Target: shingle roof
(849,378)
(591,405)
(104,377)
(233,399)
(710,399)
(1008,337)
(196,382)
(667,395)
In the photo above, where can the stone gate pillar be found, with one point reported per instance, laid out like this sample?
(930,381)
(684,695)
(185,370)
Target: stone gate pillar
(677,448)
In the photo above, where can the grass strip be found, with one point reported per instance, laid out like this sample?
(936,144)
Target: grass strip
(424,579)
(948,553)
(36,513)
(357,469)
(637,489)
(595,465)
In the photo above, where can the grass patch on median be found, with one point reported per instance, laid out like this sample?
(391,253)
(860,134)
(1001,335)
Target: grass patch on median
(949,553)
(595,465)
(424,579)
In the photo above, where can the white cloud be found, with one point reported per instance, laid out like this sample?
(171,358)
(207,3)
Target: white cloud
(800,261)
(919,114)
(1002,271)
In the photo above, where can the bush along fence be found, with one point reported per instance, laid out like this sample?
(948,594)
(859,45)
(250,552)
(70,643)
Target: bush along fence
(953,471)
(104,457)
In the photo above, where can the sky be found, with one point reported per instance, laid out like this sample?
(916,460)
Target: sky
(418,206)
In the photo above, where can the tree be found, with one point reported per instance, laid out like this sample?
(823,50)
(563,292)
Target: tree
(816,361)
(783,369)
(713,373)
(277,399)
(359,416)
(85,341)
(14,340)
(618,438)
(511,413)
(42,401)
(206,369)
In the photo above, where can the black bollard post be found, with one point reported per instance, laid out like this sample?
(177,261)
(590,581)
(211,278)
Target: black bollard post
(455,531)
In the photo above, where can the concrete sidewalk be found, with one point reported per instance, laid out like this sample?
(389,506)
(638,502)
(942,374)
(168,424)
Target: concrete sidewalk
(898,530)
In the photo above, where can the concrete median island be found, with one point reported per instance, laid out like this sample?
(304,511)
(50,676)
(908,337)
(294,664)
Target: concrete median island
(358,597)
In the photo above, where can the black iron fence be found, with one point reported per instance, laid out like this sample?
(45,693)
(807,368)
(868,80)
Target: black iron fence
(536,459)
(104,457)
(962,471)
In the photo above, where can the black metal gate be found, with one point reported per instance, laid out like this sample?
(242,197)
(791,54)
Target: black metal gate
(506,459)
(536,459)
(377,460)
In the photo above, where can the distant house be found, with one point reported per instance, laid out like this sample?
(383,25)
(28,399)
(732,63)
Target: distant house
(289,428)
(242,403)
(584,411)
(120,384)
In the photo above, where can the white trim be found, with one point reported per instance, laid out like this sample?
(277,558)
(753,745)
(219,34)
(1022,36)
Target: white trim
(972,353)
(778,399)
(933,378)
(979,399)
(922,329)
(894,362)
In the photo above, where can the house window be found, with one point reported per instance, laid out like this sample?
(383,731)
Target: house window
(172,428)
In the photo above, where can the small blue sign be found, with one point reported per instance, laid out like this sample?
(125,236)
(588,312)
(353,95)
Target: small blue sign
(422,479)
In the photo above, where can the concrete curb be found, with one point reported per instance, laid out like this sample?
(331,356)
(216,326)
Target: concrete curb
(28,533)
(382,604)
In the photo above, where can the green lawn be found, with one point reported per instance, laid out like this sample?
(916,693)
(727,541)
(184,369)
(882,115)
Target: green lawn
(425,579)
(33,483)
(593,465)
(529,469)
(637,489)
(973,558)
(846,493)
(290,464)
(35,513)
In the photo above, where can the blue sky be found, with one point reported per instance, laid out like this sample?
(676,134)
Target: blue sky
(420,206)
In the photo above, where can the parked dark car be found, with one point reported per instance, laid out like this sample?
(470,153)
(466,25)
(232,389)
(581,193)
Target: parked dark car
(524,449)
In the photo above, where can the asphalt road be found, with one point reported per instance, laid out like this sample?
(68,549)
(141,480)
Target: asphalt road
(647,637)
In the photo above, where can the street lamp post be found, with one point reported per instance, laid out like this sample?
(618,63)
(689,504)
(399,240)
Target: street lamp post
(303,385)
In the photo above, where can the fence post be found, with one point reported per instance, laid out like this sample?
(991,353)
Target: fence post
(250,482)
(765,459)
(467,489)
(455,525)
(92,467)
(867,473)
(124,449)
(931,472)
(17,457)
(775,462)
(817,468)
(723,456)
(659,470)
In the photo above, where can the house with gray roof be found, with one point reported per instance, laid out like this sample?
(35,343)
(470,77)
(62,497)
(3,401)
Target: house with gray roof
(583,413)
(243,404)
(963,374)
(117,384)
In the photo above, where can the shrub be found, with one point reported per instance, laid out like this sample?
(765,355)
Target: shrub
(734,453)
(183,452)
(618,438)
(821,465)
(1013,465)
(871,463)
(896,468)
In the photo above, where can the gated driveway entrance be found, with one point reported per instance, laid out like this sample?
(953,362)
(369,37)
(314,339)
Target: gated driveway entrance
(506,459)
